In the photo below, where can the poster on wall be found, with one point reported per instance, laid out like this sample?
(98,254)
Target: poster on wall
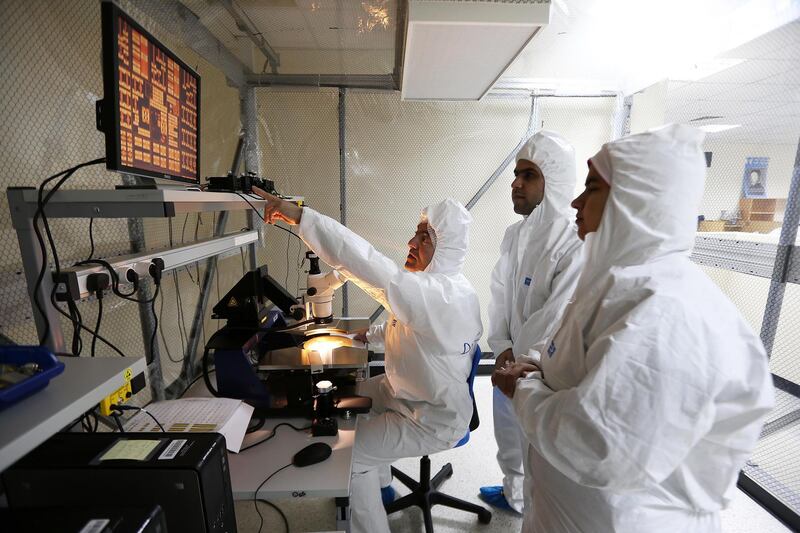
(754,181)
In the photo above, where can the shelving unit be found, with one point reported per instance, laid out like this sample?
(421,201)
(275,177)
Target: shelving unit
(84,382)
(129,203)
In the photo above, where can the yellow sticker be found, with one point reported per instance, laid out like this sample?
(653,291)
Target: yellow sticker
(128,374)
(133,450)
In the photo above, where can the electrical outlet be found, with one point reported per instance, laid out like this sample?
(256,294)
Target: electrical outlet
(118,397)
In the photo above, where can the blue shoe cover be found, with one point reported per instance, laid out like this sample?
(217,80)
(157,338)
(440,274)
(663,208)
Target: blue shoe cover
(388,495)
(494,496)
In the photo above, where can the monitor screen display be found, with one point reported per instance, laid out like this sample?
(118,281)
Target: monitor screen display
(151,111)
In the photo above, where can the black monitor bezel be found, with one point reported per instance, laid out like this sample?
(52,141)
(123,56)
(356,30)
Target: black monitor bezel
(110,14)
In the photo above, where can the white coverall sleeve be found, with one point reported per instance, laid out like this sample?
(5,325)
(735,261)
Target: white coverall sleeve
(543,322)
(400,292)
(376,335)
(644,403)
(499,337)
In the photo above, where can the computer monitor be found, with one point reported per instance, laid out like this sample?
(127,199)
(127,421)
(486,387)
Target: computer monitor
(150,113)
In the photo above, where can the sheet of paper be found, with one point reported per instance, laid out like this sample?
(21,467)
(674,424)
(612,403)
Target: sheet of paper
(133,449)
(191,415)
(235,429)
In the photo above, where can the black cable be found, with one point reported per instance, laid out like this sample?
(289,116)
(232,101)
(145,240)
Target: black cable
(43,215)
(121,408)
(254,208)
(181,318)
(197,224)
(91,238)
(155,321)
(86,424)
(161,331)
(216,282)
(255,495)
(293,326)
(276,225)
(287,231)
(183,230)
(286,281)
(115,280)
(206,372)
(81,326)
(77,341)
(40,213)
(260,421)
(301,259)
(80,420)
(178,302)
(190,276)
(195,380)
(97,324)
(283,516)
(119,424)
(274,432)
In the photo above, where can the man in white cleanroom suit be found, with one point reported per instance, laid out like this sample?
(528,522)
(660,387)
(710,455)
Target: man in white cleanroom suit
(651,396)
(422,404)
(539,262)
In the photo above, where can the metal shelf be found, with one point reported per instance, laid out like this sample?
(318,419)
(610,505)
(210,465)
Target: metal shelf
(746,257)
(125,203)
(84,382)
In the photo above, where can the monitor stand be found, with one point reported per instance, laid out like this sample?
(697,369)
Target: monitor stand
(152,184)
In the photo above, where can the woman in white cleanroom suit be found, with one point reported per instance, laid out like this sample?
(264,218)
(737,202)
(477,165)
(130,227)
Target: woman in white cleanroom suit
(646,403)
(422,404)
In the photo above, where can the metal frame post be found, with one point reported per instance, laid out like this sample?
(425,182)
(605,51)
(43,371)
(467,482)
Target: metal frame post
(533,121)
(137,242)
(622,116)
(189,367)
(32,262)
(343,180)
(252,160)
(786,248)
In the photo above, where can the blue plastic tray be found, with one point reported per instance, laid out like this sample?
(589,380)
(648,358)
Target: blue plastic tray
(19,355)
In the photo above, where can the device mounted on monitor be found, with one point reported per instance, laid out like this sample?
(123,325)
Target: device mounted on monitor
(150,113)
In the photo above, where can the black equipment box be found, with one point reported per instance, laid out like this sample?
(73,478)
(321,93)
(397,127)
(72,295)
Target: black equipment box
(187,474)
(84,519)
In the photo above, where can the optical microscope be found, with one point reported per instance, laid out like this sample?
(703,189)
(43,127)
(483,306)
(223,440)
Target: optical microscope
(289,358)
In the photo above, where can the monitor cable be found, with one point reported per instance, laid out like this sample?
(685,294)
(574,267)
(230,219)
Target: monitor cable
(274,432)
(278,510)
(40,214)
(119,408)
(255,495)
(42,200)
(97,283)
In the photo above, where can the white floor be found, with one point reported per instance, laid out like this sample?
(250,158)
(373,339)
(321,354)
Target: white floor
(474,465)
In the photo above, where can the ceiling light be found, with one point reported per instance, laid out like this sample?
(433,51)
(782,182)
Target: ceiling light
(457,50)
(716,128)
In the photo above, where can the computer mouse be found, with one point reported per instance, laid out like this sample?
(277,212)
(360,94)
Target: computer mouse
(312,454)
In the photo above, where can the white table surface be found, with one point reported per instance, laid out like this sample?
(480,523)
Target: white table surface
(83,383)
(328,479)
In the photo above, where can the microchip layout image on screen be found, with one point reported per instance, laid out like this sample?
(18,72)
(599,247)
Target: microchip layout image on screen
(155,126)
